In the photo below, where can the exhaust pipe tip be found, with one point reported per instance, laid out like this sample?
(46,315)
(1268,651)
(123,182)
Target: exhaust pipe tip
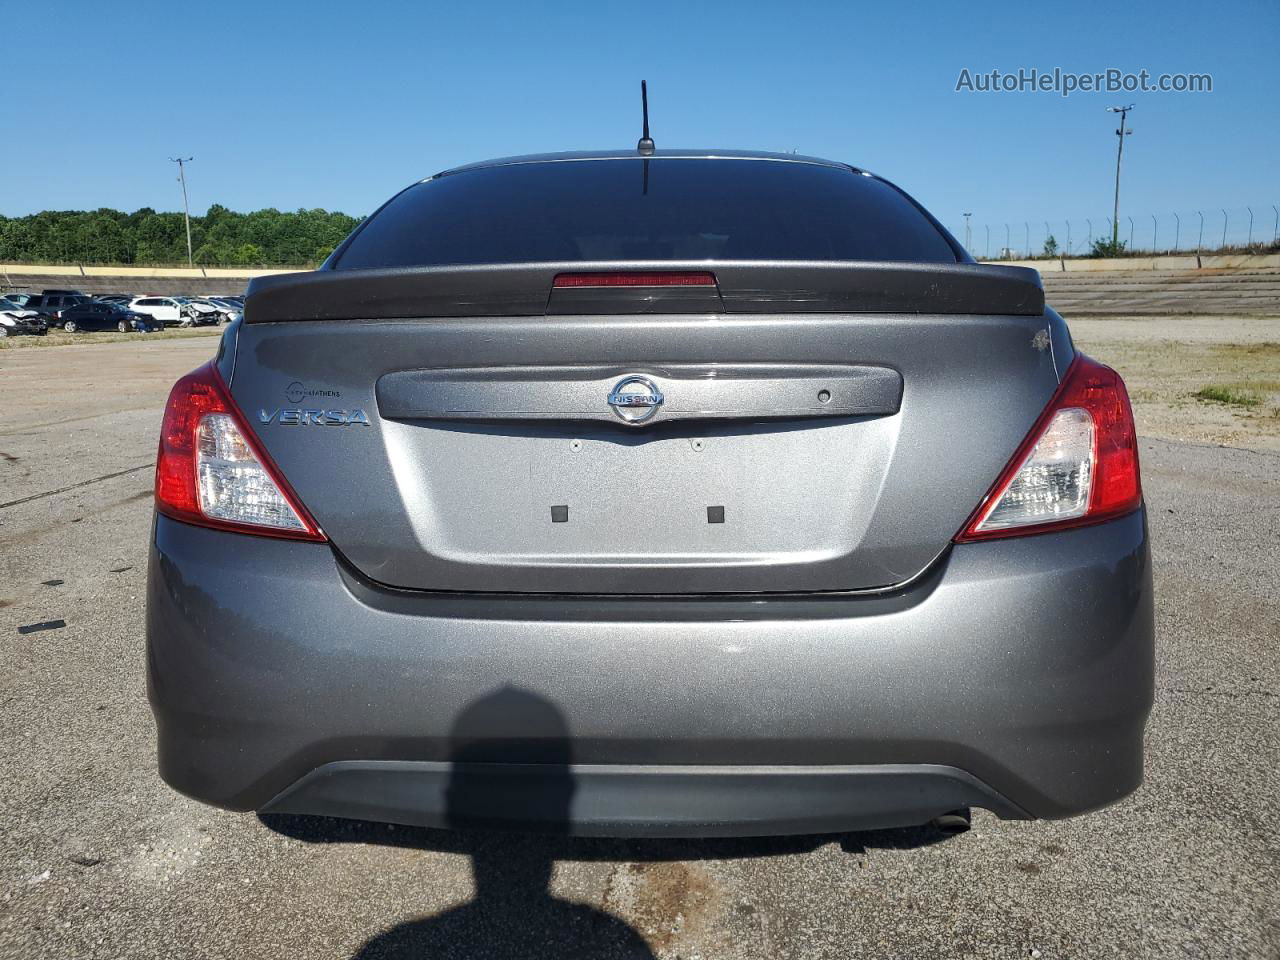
(953,821)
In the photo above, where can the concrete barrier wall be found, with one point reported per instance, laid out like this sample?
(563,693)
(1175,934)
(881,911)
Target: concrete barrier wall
(76,270)
(172,281)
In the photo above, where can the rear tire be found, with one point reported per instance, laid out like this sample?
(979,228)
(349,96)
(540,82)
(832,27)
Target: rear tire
(123,326)
(70,326)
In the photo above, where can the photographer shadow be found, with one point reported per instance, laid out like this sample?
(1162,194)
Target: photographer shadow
(514,913)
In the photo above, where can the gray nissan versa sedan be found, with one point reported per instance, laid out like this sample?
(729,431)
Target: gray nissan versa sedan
(682,494)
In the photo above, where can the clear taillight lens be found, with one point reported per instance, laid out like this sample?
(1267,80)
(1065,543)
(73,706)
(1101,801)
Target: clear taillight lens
(1078,465)
(210,470)
(1053,482)
(232,484)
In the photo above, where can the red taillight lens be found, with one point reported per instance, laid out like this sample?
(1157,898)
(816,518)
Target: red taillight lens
(1077,466)
(667,279)
(211,471)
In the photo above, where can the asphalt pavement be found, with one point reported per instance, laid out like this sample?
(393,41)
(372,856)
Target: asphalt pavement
(98,858)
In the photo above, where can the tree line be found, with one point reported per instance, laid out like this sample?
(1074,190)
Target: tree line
(264,237)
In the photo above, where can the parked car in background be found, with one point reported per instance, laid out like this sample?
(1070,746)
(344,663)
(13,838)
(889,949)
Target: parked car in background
(123,298)
(175,311)
(16,319)
(21,299)
(167,310)
(51,303)
(206,314)
(96,315)
(226,311)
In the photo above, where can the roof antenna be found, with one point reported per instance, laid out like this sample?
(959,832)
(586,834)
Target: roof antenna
(645,146)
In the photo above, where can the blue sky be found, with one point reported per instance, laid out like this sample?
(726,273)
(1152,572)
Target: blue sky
(291,104)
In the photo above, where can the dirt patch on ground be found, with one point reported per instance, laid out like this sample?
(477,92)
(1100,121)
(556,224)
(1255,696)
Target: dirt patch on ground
(669,902)
(1167,361)
(60,338)
(81,381)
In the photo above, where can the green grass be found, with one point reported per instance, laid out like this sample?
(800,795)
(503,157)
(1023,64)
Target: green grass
(1228,394)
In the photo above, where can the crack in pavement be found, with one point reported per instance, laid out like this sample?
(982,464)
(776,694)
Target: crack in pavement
(74,486)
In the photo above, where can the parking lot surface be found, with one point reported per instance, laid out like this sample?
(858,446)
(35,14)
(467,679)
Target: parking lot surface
(98,858)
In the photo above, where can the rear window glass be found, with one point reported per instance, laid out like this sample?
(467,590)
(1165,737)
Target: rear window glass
(665,209)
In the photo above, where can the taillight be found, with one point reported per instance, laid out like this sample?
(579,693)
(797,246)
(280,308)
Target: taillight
(1078,465)
(212,472)
(636,279)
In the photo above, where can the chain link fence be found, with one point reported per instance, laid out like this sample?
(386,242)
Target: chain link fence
(1251,229)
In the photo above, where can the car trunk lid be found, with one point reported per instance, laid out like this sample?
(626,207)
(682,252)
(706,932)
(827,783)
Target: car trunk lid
(790,428)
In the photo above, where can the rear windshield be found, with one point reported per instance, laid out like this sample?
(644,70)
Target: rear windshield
(662,209)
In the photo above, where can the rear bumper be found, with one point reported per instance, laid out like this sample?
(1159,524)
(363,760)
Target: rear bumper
(1017,675)
(640,800)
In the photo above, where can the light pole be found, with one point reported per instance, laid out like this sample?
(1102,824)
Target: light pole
(1121,133)
(186,212)
(967,236)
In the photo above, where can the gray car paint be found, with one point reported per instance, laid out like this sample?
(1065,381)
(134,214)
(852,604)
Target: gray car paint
(811,505)
(1026,663)
(879,683)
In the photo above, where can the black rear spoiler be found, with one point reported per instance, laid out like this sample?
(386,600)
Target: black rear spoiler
(513,290)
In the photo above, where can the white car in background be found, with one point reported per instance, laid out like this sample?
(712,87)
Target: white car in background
(229,310)
(176,311)
(16,319)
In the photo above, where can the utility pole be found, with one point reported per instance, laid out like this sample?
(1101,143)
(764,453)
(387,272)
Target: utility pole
(186,212)
(1121,133)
